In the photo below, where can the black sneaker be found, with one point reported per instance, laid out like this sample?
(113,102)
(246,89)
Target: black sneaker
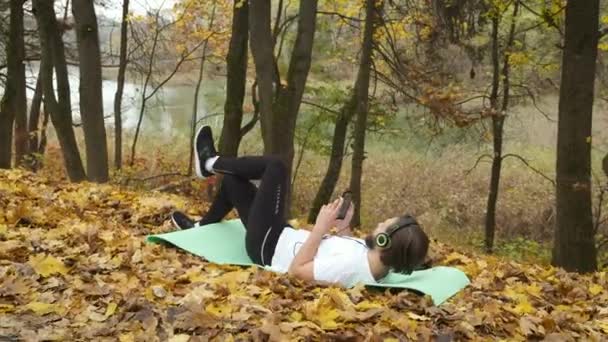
(181,220)
(203,144)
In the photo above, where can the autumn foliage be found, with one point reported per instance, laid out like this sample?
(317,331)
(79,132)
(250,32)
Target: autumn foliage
(74,266)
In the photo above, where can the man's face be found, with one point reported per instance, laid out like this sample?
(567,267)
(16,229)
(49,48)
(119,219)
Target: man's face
(380,228)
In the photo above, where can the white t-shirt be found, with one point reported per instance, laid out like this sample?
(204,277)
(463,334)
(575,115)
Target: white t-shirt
(341,260)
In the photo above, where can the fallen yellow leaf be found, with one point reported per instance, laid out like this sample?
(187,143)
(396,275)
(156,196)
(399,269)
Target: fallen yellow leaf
(128,337)
(46,265)
(233,280)
(295,316)
(462,259)
(10,246)
(326,319)
(561,307)
(533,289)
(97,317)
(529,326)
(195,276)
(6,307)
(511,293)
(340,299)
(111,309)
(180,338)
(40,308)
(604,326)
(221,310)
(322,312)
(524,307)
(417,317)
(595,289)
(366,305)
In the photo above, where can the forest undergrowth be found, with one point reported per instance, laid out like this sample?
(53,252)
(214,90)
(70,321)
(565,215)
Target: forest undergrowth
(74,265)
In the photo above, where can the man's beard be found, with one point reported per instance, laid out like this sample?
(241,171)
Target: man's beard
(369,241)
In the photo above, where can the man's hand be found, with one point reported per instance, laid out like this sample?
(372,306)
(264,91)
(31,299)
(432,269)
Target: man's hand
(343,226)
(327,216)
(303,262)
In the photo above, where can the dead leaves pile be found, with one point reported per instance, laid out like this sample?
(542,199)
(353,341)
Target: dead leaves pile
(74,265)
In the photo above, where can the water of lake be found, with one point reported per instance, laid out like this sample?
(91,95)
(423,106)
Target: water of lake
(167,113)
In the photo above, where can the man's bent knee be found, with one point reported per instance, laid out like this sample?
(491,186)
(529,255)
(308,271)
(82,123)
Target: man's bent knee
(277,164)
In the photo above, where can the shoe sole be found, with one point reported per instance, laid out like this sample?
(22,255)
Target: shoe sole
(175,223)
(197,162)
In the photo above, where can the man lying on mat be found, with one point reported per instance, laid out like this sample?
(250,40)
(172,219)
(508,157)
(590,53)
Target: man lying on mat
(397,244)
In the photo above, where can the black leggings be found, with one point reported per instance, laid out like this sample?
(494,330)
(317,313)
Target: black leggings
(262,210)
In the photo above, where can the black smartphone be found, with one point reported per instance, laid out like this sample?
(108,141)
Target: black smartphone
(347,196)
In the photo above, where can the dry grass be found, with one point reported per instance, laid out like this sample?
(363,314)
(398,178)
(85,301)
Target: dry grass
(448,201)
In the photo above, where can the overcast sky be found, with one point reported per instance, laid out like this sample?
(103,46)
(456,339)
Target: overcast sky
(113,8)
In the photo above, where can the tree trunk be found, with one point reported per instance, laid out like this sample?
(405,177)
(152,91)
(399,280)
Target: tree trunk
(120,85)
(33,123)
(197,89)
(288,98)
(13,107)
(278,117)
(336,158)
(362,95)
(91,99)
(498,119)
(195,110)
(144,96)
(235,80)
(574,244)
(53,56)
(260,42)
(43,139)
(19,102)
(6,130)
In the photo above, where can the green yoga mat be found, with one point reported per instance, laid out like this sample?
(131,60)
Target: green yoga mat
(224,243)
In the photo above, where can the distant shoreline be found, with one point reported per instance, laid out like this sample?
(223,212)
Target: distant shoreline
(181,78)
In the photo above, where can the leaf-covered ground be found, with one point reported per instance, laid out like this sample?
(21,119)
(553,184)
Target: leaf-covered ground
(74,266)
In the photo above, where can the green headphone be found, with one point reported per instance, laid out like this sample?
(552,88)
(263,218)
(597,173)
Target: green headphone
(383,240)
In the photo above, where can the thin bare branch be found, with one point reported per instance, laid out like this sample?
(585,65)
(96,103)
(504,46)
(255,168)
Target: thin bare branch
(483,96)
(546,18)
(208,116)
(183,59)
(275,30)
(523,160)
(79,124)
(531,95)
(256,111)
(466,173)
(602,243)
(321,107)
(598,211)
(302,150)
(339,15)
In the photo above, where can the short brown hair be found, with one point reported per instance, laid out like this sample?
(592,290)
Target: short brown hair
(408,249)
